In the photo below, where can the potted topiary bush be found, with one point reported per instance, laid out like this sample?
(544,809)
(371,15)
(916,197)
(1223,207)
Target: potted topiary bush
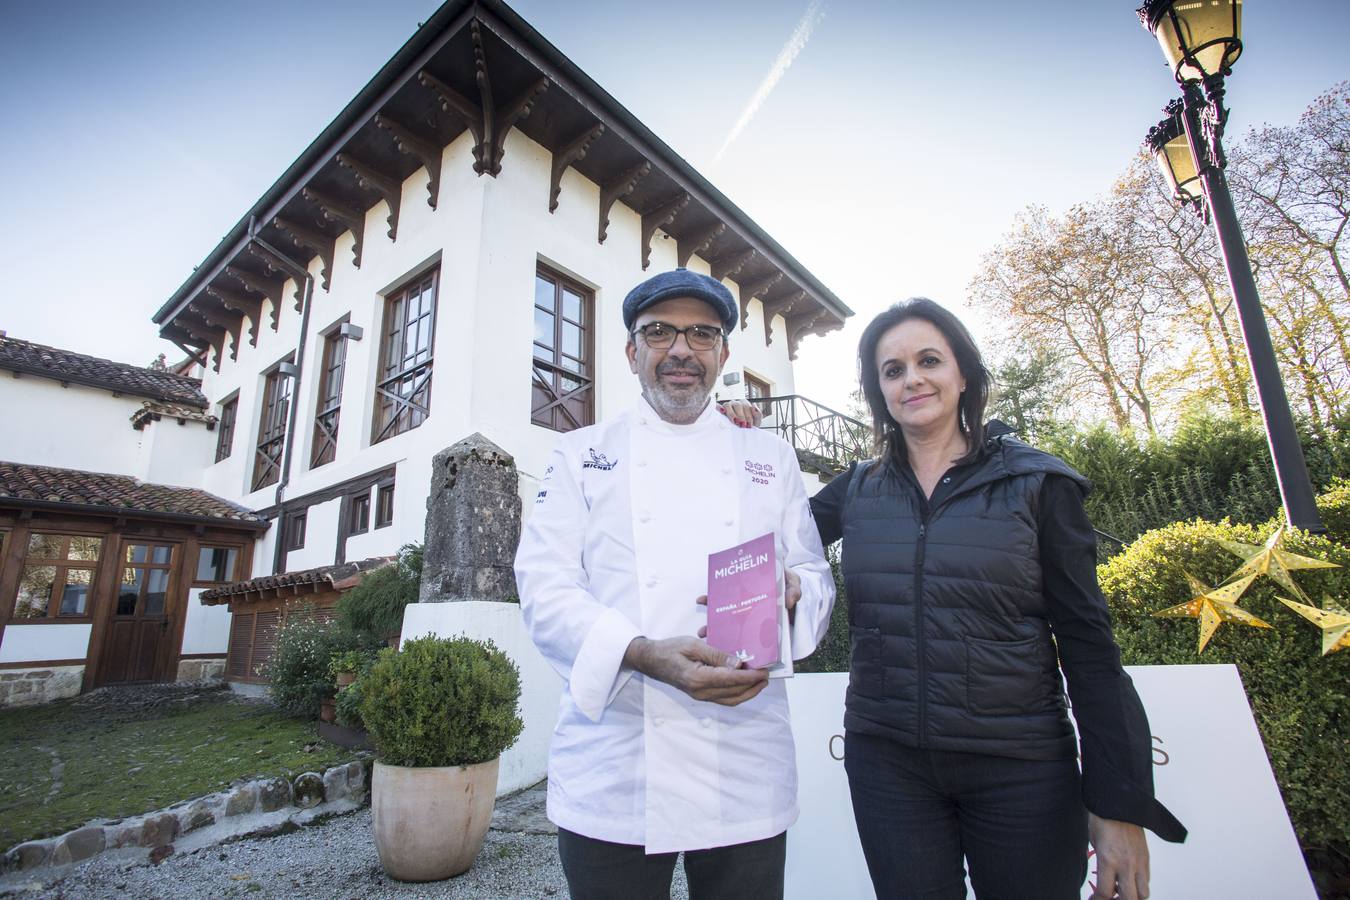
(441,712)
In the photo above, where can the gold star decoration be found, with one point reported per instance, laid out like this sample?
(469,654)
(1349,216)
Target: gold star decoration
(1273,560)
(1213,607)
(1332,618)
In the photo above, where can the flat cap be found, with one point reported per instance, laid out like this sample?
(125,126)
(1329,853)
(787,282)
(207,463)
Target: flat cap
(680,283)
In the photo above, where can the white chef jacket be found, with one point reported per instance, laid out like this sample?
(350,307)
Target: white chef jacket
(616,548)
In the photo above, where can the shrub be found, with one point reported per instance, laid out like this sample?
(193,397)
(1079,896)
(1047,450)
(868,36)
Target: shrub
(441,702)
(1334,509)
(299,672)
(355,661)
(1298,696)
(374,608)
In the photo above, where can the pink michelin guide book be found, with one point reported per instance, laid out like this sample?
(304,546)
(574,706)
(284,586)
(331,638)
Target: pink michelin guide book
(745,606)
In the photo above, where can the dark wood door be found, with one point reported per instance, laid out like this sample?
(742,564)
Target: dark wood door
(142,626)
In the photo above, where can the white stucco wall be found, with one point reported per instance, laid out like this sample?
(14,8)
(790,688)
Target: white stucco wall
(74,427)
(173,453)
(207,629)
(31,643)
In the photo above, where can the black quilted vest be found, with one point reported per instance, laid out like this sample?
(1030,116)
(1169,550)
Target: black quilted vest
(951,647)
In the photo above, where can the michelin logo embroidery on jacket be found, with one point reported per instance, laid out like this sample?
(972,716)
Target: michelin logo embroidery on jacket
(598,461)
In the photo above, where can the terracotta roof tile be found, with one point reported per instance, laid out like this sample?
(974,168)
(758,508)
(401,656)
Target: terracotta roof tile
(63,365)
(337,577)
(22,484)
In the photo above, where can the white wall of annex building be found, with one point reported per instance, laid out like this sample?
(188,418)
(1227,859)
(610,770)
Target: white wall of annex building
(207,629)
(69,428)
(59,640)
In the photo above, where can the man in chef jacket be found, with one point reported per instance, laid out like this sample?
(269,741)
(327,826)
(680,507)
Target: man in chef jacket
(664,744)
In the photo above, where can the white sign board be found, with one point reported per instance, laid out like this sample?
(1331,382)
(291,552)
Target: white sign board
(1209,768)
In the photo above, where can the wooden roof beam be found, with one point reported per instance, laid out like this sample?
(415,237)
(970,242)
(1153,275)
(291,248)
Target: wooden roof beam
(282,271)
(232,325)
(751,289)
(313,240)
(372,179)
(728,264)
(424,149)
(659,217)
(617,189)
(783,306)
(697,242)
(241,303)
(269,288)
(339,213)
(570,153)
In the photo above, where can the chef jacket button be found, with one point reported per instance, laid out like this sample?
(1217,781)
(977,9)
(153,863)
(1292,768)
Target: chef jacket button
(658,721)
(728,521)
(641,464)
(726,470)
(651,582)
(644,518)
(706,723)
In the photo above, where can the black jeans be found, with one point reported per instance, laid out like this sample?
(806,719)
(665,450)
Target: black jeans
(601,870)
(1019,824)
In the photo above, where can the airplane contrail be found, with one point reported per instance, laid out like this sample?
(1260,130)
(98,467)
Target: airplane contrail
(815,12)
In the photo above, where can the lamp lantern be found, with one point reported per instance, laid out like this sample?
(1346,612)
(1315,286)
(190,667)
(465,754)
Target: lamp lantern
(1200,38)
(1168,143)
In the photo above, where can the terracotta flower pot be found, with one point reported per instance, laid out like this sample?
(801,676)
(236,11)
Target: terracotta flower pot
(327,710)
(344,679)
(430,822)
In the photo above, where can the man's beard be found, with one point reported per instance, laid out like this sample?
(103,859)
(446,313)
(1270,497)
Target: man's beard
(680,404)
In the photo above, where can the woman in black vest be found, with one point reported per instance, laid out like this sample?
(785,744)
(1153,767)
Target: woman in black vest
(970,569)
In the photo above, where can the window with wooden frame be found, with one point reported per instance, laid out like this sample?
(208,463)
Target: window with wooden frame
(296,524)
(216,565)
(225,428)
(358,514)
(384,505)
(563,396)
(403,391)
(57,576)
(324,448)
(276,403)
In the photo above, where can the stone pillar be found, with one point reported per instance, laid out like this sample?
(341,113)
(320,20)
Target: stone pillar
(473,524)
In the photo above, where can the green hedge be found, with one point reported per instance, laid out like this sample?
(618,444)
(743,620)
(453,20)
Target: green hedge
(831,654)
(1299,697)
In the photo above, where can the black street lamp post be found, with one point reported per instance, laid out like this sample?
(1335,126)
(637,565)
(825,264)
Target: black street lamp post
(1201,40)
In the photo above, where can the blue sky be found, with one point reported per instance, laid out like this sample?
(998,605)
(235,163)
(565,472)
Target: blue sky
(889,156)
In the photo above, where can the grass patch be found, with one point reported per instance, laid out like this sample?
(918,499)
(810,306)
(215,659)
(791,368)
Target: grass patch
(63,764)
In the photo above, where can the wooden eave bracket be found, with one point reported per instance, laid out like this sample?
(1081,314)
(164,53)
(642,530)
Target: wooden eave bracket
(751,290)
(339,213)
(281,271)
(570,153)
(372,179)
(231,326)
(488,122)
(426,151)
(269,289)
(798,327)
(659,217)
(242,304)
(619,188)
(313,240)
(214,338)
(781,307)
(728,264)
(686,247)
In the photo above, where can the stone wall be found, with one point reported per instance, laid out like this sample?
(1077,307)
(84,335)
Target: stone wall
(29,687)
(201,671)
(261,806)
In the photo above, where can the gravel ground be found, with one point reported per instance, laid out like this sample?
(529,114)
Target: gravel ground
(332,859)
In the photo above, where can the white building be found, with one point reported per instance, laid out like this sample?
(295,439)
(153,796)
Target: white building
(448,257)
(106,541)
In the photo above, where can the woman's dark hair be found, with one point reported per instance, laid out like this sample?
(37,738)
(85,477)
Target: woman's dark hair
(889,441)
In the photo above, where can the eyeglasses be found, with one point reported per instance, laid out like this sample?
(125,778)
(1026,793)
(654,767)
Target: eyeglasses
(661,336)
